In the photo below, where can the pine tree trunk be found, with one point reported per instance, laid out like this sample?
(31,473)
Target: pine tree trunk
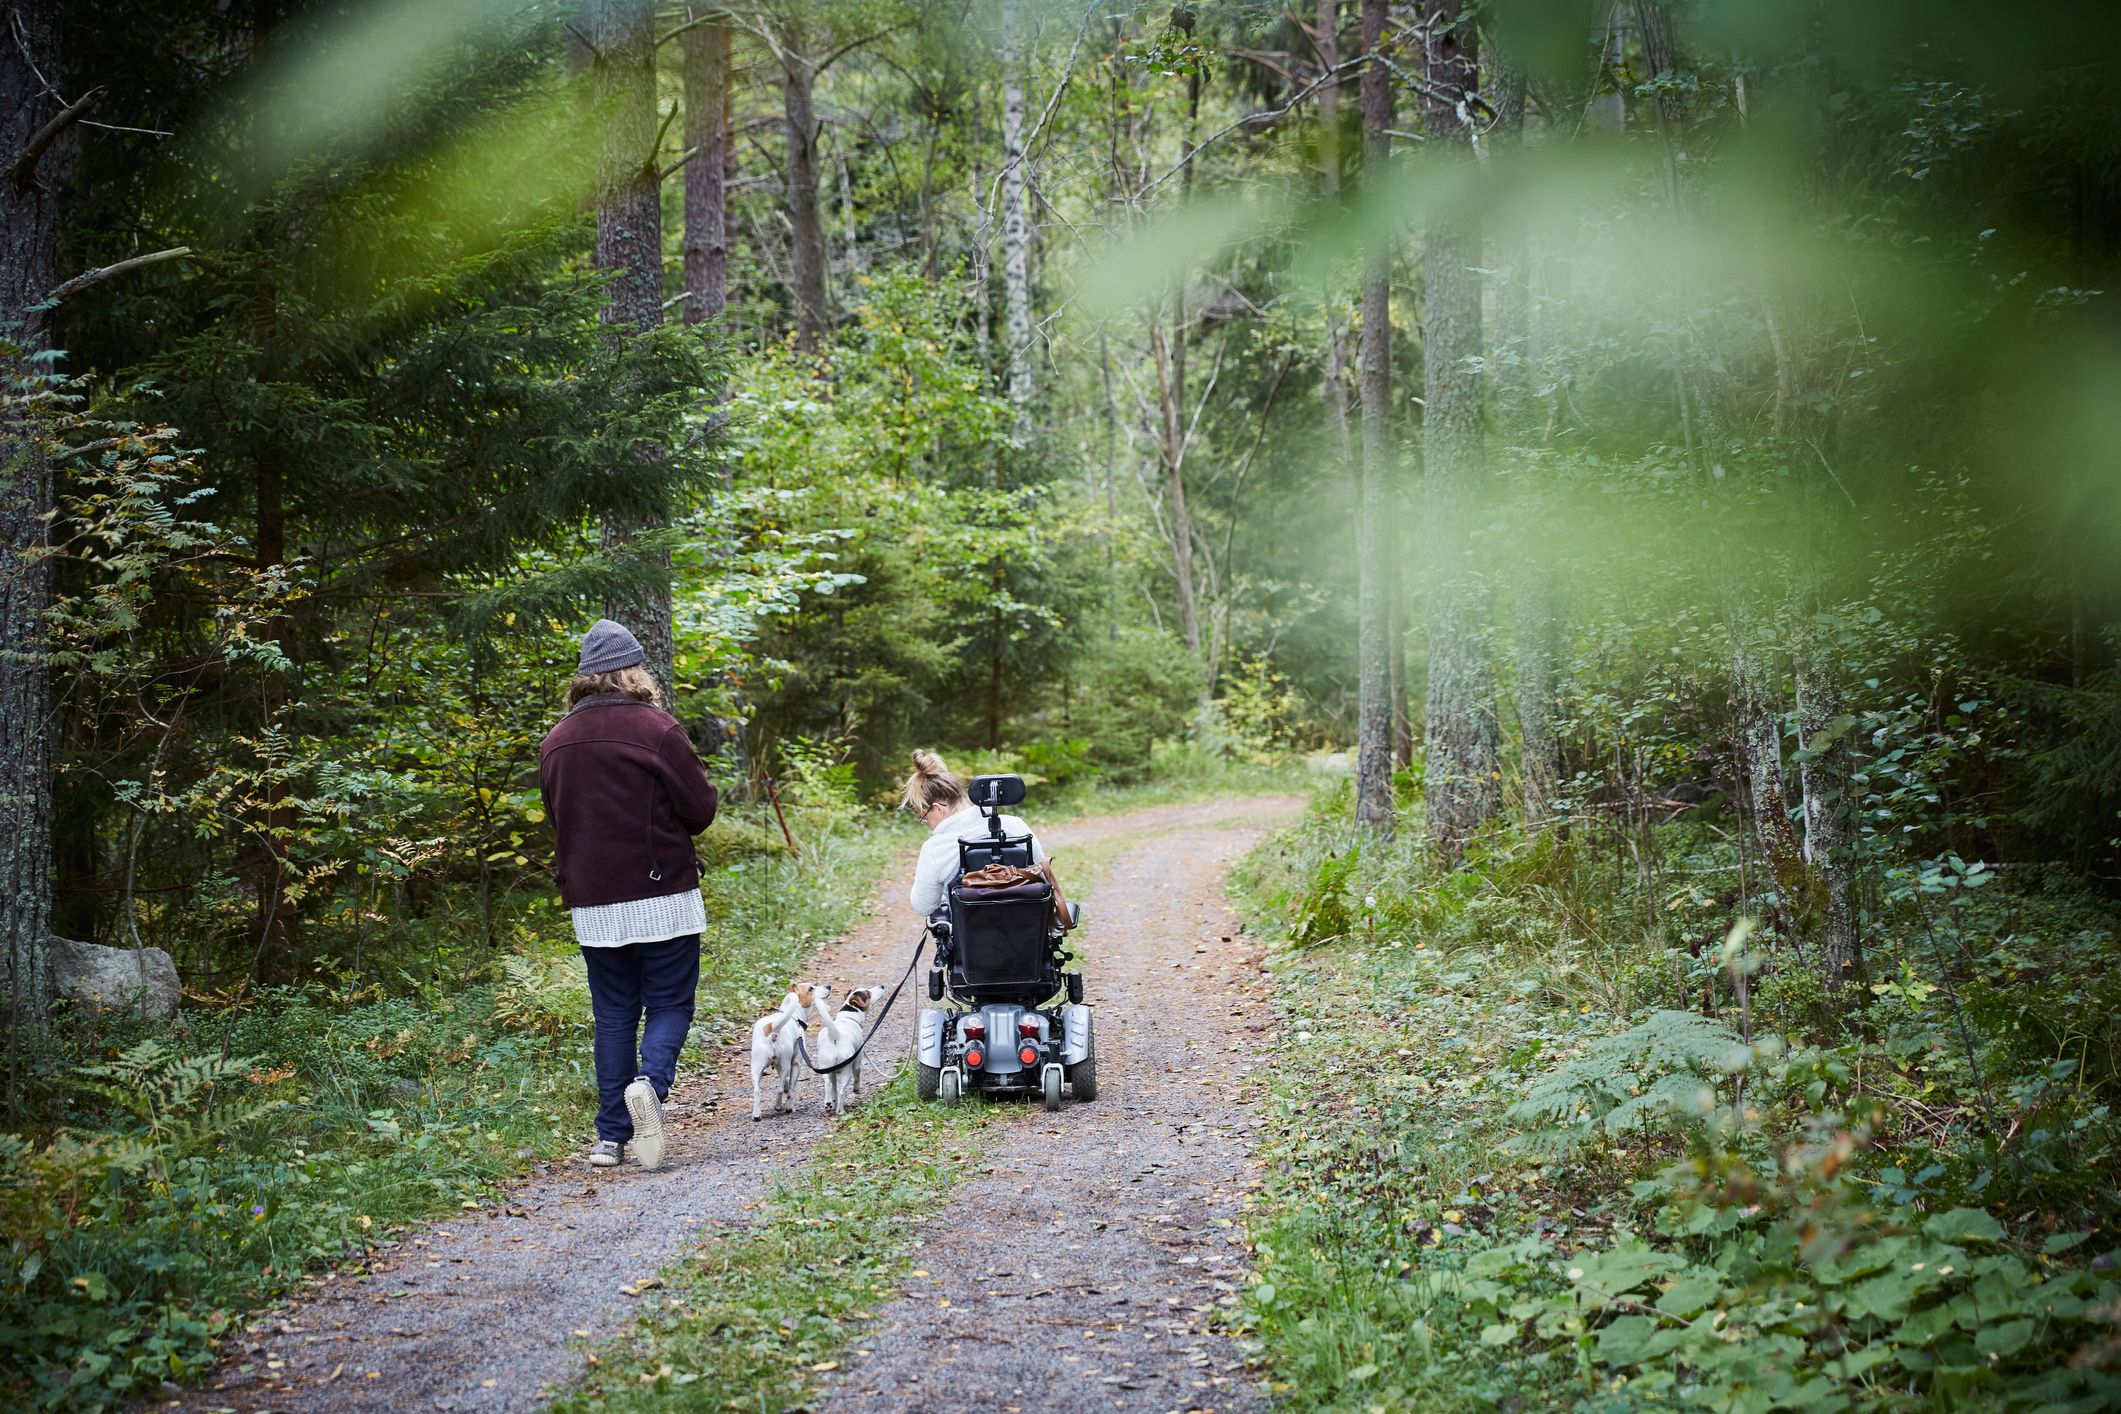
(29,233)
(1336,383)
(707,174)
(1016,226)
(806,247)
(630,242)
(1373,700)
(1829,836)
(1463,781)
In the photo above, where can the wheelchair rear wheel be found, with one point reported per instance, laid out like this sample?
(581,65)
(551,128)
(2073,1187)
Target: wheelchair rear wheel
(926,1079)
(1082,1076)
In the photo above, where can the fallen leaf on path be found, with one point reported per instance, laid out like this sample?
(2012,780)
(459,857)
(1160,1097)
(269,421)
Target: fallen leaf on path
(823,1365)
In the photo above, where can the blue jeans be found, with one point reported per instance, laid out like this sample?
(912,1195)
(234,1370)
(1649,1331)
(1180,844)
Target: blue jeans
(651,981)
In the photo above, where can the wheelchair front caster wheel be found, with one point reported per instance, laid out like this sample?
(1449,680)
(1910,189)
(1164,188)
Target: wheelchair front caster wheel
(1050,1087)
(949,1086)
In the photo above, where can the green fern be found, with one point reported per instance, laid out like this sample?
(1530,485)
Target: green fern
(178,1102)
(1637,1079)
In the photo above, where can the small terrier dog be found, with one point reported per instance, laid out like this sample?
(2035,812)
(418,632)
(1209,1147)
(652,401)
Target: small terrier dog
(773,1039)
(840,1036)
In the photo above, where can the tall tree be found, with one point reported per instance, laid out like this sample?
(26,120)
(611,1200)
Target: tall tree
(806,245)
(1327,40)
(1463,784)
(630,244)
(30,120)
(1016,224)
(1373,711)
(706,54)
(1536,617)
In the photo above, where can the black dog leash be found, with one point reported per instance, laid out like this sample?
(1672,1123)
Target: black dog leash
(920,945)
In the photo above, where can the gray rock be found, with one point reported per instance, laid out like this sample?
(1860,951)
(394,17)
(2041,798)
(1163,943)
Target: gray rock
(142,980)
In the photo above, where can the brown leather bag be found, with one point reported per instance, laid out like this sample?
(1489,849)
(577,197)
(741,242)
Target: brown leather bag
(1010,876)
(1000,876)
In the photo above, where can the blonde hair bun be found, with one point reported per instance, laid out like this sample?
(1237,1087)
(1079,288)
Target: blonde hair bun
(932,784)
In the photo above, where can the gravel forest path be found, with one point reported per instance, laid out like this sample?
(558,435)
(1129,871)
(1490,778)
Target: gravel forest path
(1104,1232)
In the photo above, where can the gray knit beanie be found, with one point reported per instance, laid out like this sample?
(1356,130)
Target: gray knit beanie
(607,647)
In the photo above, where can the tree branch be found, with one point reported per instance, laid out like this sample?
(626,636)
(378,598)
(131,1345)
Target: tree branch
(23,170)
(101,273)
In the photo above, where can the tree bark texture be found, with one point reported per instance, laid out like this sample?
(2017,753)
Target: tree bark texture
(1336,385)
(707,174)
(1538,620)
(1757,721)
(1171,410)
(29,229)
(1373,541)
(1538,616)
(806,247)
(1829,835)
(1016,226)
(1463,783)
(630,243)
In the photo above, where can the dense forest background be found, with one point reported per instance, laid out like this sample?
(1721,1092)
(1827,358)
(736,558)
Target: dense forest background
(1670,442)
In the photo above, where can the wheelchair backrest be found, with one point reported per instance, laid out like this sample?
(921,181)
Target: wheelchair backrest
(979,851)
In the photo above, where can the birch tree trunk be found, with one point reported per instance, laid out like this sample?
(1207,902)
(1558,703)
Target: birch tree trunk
(1463,782)
(1171,410)
(1537,616)
(1829,834)
(29,230)
(707,174)
(630,242)
(1016,227)
(806,247)
(1373,702)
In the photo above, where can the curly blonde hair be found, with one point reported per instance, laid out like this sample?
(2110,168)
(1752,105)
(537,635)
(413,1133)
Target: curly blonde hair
(932,784)
(634,682)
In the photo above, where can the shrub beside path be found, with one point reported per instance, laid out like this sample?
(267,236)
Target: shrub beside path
(1104,1233)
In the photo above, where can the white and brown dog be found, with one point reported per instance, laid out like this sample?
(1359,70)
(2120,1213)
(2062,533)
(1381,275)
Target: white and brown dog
(773,1039)
(839,1037)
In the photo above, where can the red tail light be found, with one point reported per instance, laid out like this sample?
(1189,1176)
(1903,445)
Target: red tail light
(1028,1054)
(1027,1028)
(975,1058)
(974,1030)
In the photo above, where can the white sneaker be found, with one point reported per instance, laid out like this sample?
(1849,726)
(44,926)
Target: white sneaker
(607,1153)
(647,1112)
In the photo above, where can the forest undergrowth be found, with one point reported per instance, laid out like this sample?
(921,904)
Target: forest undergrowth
(1538,1141)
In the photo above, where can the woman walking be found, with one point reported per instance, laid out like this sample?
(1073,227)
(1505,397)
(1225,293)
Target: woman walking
(626,794)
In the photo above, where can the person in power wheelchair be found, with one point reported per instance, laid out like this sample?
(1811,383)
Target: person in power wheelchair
(1000,925)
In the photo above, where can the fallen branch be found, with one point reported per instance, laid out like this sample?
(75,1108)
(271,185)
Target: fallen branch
(101,273)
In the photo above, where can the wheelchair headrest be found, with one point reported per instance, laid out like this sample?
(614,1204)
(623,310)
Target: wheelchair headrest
(994,792)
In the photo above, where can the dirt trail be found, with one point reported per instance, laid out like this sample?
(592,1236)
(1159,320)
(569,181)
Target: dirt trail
(1079,1271)
(493,1311)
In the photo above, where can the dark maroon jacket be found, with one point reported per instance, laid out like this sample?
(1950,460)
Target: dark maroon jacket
(626,795)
